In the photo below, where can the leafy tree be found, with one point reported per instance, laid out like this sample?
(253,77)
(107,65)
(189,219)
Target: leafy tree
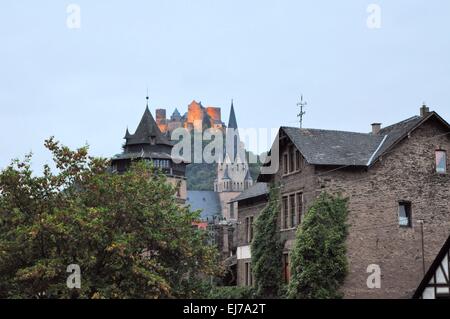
(231,292)
(318,261)
(126,231)
(266,249)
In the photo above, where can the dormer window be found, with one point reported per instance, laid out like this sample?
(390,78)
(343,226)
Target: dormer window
(441,161)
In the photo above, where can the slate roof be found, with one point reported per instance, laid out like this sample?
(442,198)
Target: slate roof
(256,190)
(206,201)
(146,155)
(146,129)
(327,147)
(396,131)
(232,123)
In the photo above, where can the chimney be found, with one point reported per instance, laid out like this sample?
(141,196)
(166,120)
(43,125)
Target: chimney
(376,127)
(424,110)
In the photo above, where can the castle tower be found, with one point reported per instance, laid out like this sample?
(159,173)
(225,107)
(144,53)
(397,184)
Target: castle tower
(233,174)
(148,143)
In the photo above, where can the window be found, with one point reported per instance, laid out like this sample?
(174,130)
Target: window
(285,164)
(286,268)
(248,275)
(284,218)
(291,159)
(441,161)
(249,229)
(298,161)
(404,214)
(232,210)
(292,210)
(299,207)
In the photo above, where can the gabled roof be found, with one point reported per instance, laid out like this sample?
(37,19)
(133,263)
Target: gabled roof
(327,147)
(397,132)
(432,270)
(206,201)
(258,189)
(146,130)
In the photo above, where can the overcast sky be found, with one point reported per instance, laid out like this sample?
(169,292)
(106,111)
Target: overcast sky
(88,84)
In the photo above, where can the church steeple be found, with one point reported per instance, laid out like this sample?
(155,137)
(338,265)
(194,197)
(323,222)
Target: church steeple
(232,123)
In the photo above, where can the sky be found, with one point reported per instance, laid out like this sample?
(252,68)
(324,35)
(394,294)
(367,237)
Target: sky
(87,84)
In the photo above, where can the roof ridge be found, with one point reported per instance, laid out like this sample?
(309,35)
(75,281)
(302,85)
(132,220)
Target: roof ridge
(402,122)
(324,130)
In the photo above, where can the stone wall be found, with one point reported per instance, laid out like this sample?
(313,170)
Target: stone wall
(375,237)
(246,208)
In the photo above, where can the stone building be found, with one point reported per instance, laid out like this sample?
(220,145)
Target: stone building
(149,144)
(397,182)
(247,205)
(233,173)
(196,118)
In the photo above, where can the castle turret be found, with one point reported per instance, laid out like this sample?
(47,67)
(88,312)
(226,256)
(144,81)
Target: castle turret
(148,143)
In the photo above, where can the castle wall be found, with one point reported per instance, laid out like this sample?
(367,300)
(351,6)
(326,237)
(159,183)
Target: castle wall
(214,113)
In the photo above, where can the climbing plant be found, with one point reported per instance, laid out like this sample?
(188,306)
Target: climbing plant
(266,249)
(318,261)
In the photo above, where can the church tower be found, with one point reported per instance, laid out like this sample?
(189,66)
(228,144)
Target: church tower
(233,174)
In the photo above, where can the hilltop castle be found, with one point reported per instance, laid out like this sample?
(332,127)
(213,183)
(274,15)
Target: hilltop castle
(151,141)
(197,117)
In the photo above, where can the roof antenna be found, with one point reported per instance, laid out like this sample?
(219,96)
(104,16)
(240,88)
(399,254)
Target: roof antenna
(147,97)
(302,104)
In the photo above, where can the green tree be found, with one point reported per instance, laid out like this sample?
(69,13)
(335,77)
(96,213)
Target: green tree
(266,249)
(318,261)
(126,232)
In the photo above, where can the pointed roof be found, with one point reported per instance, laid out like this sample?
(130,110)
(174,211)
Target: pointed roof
(225,174)
(232,123)
(146,130)
(176,113)
(127,134)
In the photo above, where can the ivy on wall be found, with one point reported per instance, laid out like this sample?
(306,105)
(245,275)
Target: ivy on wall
(266,249)
(318,260)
